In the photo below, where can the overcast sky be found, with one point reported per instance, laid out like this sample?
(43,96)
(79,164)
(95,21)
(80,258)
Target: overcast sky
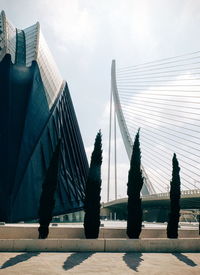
(85,35)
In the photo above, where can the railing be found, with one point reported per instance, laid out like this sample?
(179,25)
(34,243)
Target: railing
(166,195)
(184,193)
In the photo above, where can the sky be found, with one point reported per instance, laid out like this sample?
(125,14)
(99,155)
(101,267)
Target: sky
(85,35)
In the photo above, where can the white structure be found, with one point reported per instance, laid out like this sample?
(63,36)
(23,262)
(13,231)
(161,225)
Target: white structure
(147,187)
(32,45)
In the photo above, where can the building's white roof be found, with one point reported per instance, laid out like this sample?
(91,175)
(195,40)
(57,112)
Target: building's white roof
(36,50)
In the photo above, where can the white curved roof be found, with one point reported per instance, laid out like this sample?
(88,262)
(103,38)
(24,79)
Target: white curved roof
(36,50)
(7,38)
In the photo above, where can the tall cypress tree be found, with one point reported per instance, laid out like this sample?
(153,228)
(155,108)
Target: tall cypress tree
(93,189)
(47,200)
(175,194)
(135,183)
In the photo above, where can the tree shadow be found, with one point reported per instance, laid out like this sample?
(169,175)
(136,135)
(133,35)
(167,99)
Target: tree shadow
(19,258)
(185,259)
(76,259)
(133,260)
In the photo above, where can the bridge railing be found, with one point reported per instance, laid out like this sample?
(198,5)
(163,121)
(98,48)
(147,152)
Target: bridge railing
(166,195)
(184,193)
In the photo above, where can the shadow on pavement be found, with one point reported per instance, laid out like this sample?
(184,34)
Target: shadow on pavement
(184,259)
(76,259)
(133,260)
(19,258)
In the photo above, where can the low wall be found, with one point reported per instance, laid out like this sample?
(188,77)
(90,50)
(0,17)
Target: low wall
(101,245)
(31,232)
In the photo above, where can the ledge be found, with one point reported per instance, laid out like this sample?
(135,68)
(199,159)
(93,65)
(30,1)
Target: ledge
(31,232)
(101,245)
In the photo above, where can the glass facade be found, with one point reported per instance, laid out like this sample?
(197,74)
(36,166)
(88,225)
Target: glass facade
(31,35)
(32,123)
(49,72)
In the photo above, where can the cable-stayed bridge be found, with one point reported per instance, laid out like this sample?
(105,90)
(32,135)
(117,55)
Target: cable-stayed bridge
(162,98)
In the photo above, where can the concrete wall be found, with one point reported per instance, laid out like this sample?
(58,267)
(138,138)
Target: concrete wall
(31,232)
(102,245)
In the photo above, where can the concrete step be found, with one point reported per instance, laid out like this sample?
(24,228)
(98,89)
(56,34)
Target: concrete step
(61,232)
(101,245)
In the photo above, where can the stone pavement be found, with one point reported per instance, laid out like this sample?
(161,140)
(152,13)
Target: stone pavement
(101,263)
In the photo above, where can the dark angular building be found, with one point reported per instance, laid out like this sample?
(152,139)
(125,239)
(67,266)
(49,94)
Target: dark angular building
(36,111)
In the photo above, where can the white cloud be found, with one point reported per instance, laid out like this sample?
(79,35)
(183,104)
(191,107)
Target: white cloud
(71,24)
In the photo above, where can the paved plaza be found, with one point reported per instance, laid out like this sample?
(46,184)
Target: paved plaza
(101,263)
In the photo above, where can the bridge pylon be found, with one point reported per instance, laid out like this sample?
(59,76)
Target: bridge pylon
(148,188)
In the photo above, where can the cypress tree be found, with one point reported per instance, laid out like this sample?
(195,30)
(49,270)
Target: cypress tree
(47,200)
(175,193)
(135,183)
(93,189)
